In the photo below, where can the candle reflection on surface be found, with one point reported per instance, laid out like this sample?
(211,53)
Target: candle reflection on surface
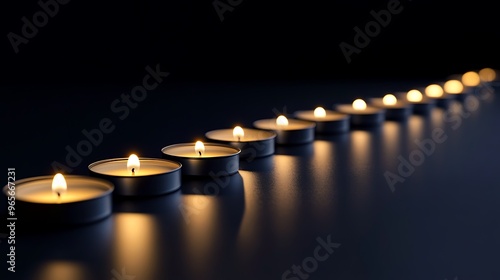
(416,127)
(285,191)
(322,166)
(200,235)
(249,234)
(62,270)
(393,136)
(363,154)
(136,244)
(212,209)
(437,118)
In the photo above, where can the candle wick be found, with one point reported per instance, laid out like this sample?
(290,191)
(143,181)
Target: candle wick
(133,171)
(58,194)
(239,138)
(199,152)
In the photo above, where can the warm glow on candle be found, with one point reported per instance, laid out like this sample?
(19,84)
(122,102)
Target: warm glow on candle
(133,164)
(282,121)
(359,104)
(389,100)
(453,87)
(434,91)
(487,74)
(471,79)
(414,95)
(238,132)
(59,184)
(199,148)
(319,112)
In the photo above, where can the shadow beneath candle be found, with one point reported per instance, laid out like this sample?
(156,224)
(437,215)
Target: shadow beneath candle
(258,164)
(166,203)
(44,226)
(369,128)
(295,150)
(338,138)
(213,186)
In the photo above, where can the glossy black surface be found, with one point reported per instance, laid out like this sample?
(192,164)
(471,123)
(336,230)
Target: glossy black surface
(440,223)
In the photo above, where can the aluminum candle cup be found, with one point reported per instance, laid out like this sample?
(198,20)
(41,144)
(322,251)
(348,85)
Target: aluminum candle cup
(361,114)
(253,143)
(394,109)
(204,159)
(458,90)
(327,121)
(437,93)
(142,177)
(71,200)
(420,103)
(288,131)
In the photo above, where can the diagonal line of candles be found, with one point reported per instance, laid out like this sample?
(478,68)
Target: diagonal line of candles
(89,198)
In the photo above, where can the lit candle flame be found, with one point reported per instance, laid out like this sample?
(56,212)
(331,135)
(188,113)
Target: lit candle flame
(133,164)
(319,112)
(199,148)
(59,184)
(453,87)
(282,121)
(238,132)
(389,100)
(471,79)
(414,95)
(359,105)
(434,91)
(487,74)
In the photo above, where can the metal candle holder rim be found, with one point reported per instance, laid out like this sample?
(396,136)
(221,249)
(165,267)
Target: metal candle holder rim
(109,190)
(179,166)
(271,136)
(237,150)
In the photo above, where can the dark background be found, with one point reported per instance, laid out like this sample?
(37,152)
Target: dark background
(91,42)
(265,58)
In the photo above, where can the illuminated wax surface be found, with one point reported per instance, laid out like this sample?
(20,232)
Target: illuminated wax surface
(211,150)
(250,135)
(80,188)
(118,167)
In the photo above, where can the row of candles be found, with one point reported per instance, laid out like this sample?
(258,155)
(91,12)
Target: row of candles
(74,199)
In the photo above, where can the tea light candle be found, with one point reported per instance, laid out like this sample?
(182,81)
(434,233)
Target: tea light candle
(327,121)
(361,114)
(62,200)
(487,75)
(470,79)
(421,105)
(394,109)
(253,143)
(204,159)
(288,131)
(436,92)
(456,89)
(139,176)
